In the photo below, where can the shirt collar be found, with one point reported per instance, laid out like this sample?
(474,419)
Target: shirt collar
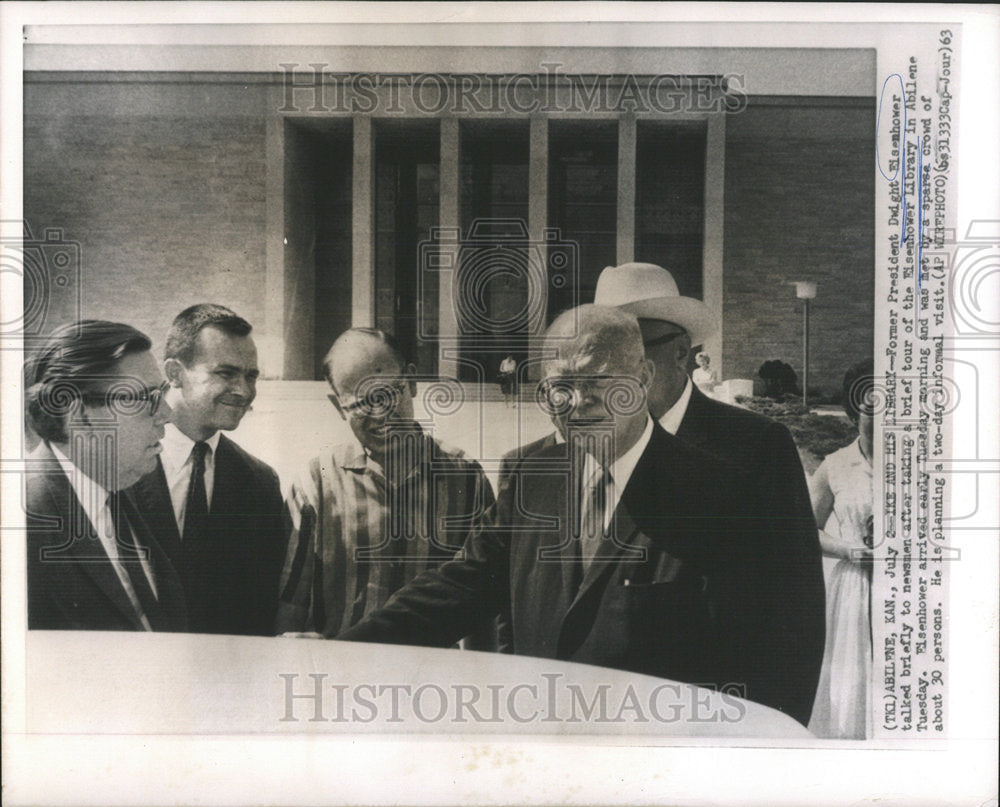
(90,494)
(177,446)
(354,457)
(671,420)
(351,456)
(622,468)
(644,439)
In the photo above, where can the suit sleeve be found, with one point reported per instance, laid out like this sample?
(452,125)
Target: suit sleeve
(273,550)
(43,612)
(790,623)
(295,591)
(760,558)
(444,604)
(505,620)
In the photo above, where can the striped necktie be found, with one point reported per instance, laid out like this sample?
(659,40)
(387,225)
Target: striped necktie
(594,502)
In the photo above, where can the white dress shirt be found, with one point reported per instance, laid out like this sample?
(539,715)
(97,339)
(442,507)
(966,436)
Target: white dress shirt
(177,467)
(94,500)
(671,420)
(621,471)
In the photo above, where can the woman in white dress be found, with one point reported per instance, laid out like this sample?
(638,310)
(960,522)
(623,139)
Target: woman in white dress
(842,486)
(704,376)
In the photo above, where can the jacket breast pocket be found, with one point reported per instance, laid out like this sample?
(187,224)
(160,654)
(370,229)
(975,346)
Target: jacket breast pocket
(667,627)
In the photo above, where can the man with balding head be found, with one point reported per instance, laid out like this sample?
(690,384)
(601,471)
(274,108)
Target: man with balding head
(369,515)
(671,326)
(622,546)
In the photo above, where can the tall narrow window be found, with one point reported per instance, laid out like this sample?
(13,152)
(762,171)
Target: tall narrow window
(670,199)
(330,172)
(407,180)
(492,282)
(583,196)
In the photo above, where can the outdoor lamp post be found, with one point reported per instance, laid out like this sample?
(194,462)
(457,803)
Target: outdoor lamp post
(805,290)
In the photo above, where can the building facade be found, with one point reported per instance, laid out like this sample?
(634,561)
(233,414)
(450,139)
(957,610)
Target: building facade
(459,197)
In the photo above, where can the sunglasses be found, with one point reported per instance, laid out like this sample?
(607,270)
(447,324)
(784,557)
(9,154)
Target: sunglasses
(128,399)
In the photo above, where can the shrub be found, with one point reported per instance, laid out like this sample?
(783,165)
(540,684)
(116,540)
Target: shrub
(779,379)
(817,434)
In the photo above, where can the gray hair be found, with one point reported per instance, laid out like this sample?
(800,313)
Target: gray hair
(593,338)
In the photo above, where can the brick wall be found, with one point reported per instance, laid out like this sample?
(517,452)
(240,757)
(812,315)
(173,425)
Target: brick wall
(799,205)
(162,184)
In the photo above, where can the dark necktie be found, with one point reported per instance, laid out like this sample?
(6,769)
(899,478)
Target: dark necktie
(128,554)
(196,502)
(195,565)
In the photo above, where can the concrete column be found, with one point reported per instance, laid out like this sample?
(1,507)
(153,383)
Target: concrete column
(626,188)
(270,338)
(363,225)
(538,213)
(450,221)
(712,249)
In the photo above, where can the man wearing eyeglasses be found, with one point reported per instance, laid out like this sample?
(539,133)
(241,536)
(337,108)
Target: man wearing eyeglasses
(371,514)
(671,326)
(623,546)
(95,398)
(215,508)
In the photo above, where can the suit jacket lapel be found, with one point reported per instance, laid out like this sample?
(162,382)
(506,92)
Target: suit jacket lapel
(622,544)
(545,552)
(169,613)
(614,549)
(691,429)
(153,498)
(87,553)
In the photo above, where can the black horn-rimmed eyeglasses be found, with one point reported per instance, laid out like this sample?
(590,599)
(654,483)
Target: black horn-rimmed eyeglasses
(128,398)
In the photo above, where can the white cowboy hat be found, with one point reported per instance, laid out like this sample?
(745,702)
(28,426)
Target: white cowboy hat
(649,292)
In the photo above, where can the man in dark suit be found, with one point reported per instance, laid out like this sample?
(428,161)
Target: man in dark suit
(621,546)
(95,398)
(671,325)
(216,509)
